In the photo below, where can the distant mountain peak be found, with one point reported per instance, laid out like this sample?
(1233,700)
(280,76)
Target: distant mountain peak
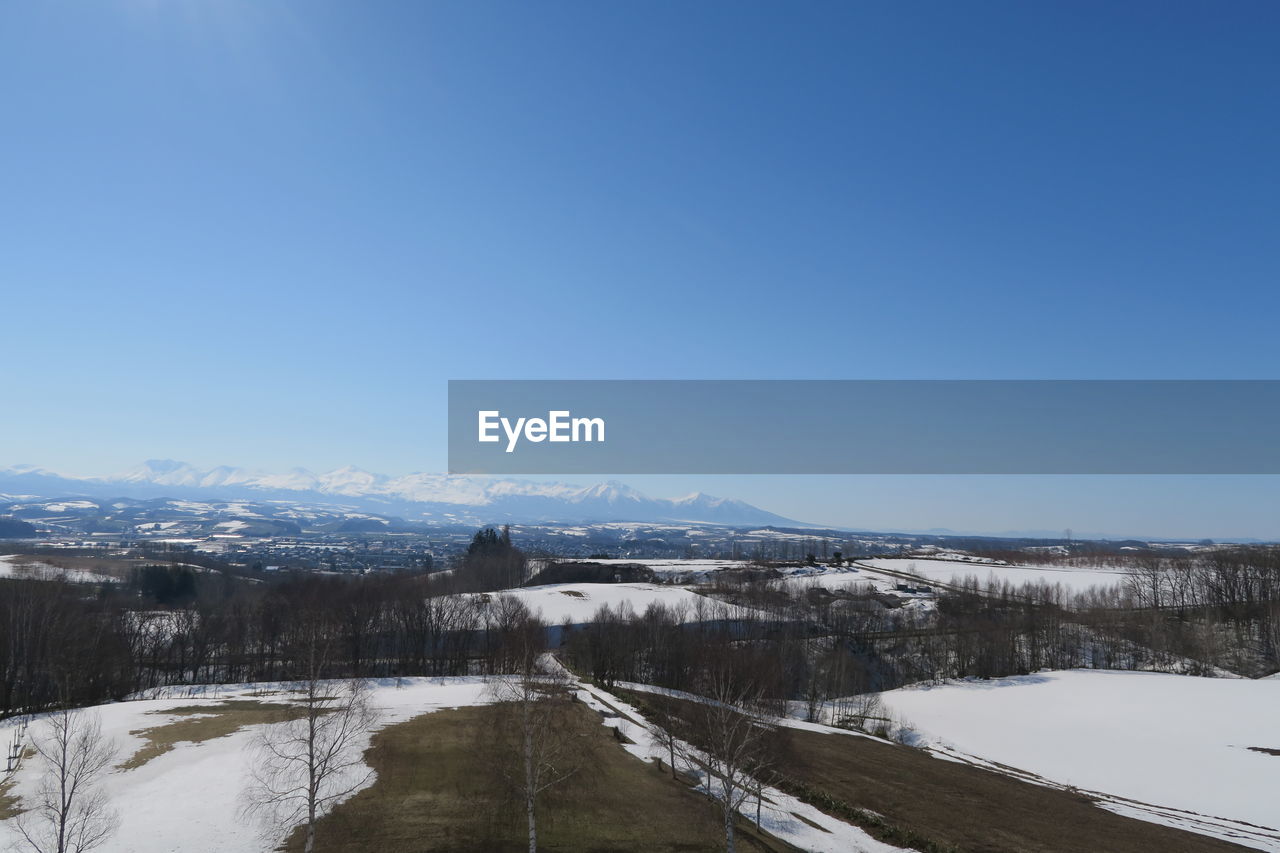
(160,471)
(613,491)
(413,495)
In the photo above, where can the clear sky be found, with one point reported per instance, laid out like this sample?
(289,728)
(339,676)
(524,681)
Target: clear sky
(266,234)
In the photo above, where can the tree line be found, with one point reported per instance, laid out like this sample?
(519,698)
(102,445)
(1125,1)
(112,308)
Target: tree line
(65,644)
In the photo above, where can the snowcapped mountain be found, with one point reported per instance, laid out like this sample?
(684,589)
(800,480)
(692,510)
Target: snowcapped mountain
(421,496)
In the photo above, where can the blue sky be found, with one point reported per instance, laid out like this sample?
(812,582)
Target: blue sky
(268,234)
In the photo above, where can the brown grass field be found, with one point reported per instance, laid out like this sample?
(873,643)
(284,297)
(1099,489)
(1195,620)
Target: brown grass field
(933,804)
(206,722)
(440,787)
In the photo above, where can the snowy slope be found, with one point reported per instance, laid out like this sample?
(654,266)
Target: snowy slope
(15,566)
(679,571)
(578,602)
(187,799)
(1076,579)
(784,816)
(1172,749)
(852,580)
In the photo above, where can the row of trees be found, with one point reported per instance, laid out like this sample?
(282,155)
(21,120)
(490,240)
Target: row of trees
(722,736)
(59,645)
(312,758)
(815,646)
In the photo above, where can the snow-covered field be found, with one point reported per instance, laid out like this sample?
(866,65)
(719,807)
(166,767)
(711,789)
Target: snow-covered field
(877,572)
(1075,579)
(680,571)
(1169,749)
(187,799)
(831,579)
(853,580)
(14,566)
(578,602)
(1172,749)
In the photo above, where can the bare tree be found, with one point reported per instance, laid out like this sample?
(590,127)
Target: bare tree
(729,733)
(304,765)
(663,728)
(863,711)
(71,813)
(544,729)
(1147,582)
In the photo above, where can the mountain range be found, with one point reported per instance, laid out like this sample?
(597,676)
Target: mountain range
(413,496)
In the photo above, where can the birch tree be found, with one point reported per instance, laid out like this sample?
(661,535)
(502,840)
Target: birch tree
(544,729)
(729,735)
(301,767)
(304,765)
(70,813)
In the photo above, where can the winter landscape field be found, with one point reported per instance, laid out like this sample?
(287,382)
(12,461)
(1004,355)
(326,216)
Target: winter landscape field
(868,703)
(1189,752)
(563,426)
(182,762)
